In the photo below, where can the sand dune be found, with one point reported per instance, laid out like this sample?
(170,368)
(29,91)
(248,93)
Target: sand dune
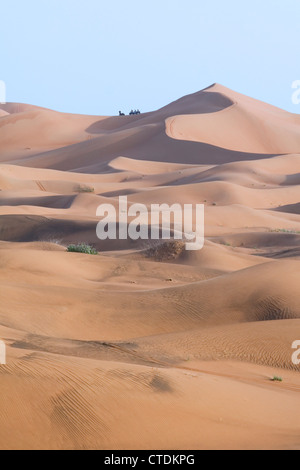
(147,345)
(25,130)
(247,126)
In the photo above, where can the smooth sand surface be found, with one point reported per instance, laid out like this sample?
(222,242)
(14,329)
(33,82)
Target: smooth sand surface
(147,345)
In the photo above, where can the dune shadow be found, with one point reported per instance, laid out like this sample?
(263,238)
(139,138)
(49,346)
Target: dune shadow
(289,209)
(53,202)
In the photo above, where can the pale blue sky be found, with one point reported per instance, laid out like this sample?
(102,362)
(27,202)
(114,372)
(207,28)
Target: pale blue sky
(96,57)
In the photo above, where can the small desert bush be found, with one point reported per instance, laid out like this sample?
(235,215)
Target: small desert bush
(283,230)
(86,189)
(82,248)
(277,379)
(166,251)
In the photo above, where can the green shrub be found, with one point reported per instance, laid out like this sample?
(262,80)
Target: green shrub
(82,248)
(283,230)
(277,379)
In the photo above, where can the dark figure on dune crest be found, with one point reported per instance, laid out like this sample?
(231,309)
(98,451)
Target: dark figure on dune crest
(132,113)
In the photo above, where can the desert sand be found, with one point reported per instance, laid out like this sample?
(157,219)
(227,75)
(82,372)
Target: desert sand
(147,345)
